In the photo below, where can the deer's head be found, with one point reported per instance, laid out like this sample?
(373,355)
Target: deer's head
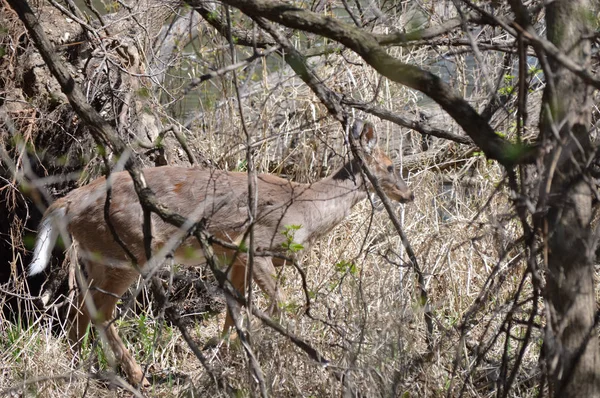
(380,164)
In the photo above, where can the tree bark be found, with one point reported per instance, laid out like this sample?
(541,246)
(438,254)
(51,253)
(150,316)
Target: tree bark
(571,344)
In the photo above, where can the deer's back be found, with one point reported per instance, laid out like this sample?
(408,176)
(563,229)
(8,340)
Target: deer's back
(219,197)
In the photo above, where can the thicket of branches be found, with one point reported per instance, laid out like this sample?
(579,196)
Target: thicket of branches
(484,286)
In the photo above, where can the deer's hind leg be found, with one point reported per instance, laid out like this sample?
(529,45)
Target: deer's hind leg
(98,298)
(265,277)
(263,274)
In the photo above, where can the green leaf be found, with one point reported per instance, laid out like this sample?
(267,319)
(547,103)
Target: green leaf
(295,247)
(346,267)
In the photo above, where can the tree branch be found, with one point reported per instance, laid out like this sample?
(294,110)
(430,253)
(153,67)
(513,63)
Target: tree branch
(390,116)
(367,46)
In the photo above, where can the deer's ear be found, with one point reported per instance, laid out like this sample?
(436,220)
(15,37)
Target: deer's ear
(357,129)
(365,133)
(368,138)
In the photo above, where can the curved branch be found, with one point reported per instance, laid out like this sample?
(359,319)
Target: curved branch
(242,37)
(367,46)
(399,38)
(422,128)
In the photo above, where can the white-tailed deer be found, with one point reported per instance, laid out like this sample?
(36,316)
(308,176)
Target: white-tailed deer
(218,197)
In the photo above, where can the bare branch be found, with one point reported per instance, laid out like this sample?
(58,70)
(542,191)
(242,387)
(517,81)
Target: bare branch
(365,44)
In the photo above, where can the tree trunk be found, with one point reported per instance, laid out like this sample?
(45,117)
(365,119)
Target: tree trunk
(571,344)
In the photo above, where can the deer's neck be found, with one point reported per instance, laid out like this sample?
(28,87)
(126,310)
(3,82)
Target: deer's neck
(333,198)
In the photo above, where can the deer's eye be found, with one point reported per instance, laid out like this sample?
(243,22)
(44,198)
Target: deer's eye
(390,169)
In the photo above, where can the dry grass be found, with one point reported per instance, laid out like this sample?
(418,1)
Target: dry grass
(366,319)
(365,314)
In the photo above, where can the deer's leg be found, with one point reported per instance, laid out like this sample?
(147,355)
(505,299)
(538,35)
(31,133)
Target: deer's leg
(134,372)
(98,302)
(265,277)
(263,274)
(237,277)
(80,320)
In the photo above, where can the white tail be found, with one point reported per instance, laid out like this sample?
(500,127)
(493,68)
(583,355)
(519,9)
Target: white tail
(219,197)
(47,234)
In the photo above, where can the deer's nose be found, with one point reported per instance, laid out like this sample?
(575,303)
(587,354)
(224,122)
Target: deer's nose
(409,197)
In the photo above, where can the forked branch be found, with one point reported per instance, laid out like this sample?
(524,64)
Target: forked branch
(367,46)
